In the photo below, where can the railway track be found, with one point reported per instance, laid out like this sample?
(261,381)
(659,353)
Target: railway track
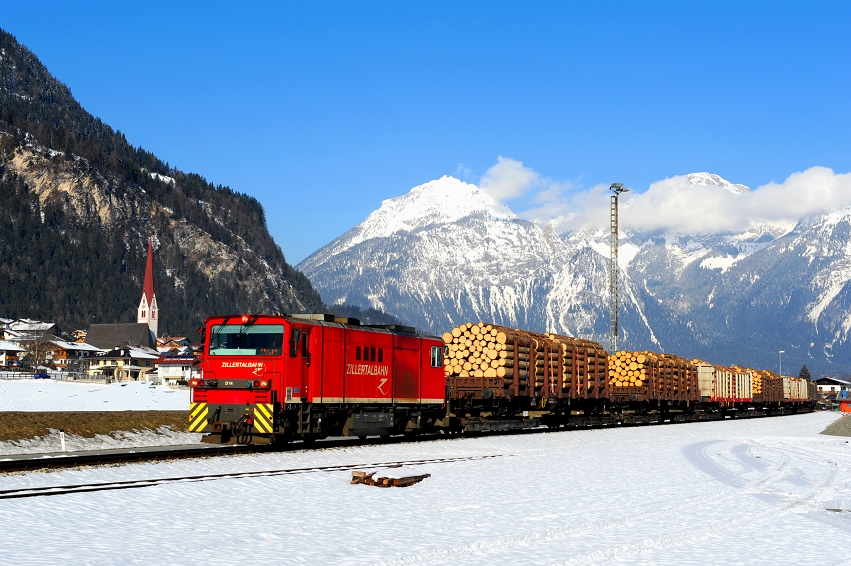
(26,463)
(46,491)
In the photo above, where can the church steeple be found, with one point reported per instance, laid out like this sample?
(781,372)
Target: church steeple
(148,311)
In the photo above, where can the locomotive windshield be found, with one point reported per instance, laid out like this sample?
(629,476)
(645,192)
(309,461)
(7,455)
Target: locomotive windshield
(245,340)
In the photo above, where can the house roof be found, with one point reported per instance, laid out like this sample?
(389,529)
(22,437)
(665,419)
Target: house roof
(108,336)
(831,380)
(25,325)
(133,353)
(10,346)
(182,360)
(75,346)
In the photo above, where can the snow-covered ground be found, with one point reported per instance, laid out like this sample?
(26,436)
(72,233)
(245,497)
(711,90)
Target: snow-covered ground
(55,395)
(163,436)
(766,491)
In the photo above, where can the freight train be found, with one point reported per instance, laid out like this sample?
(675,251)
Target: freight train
(275,378)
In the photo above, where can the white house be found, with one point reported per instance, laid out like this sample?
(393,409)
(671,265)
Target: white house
(9,353)
(831,385)
(170,370)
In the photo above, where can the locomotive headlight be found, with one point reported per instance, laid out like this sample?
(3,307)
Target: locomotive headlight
(193,383)
(248,384)
(264,384)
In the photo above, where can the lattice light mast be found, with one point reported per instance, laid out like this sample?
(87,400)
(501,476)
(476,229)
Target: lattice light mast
(617,189)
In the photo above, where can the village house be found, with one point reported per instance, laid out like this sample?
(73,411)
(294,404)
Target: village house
(122,364)
(69,356)
(27,330)
(832,385)
(9,352)
(173,345)
(174,370)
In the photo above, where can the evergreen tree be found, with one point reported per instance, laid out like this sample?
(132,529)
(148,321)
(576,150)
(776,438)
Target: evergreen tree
(805,373)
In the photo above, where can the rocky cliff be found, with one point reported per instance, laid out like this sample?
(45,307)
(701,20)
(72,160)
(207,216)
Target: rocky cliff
(79,202)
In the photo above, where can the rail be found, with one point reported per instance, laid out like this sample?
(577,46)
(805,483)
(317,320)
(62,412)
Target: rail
(135,484)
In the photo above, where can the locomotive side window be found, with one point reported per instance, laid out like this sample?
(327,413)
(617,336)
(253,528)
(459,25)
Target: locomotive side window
(294,336)
(305,347)
(246,340)
(436,357)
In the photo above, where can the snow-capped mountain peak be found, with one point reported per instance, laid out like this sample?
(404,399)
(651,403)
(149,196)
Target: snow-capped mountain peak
(442,201)
(711,179)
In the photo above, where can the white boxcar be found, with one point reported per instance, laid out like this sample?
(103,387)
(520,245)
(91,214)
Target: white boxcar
(795,389)
(722,384)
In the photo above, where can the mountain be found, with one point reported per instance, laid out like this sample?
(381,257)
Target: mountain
(446,253)
(78,202)
(708,179)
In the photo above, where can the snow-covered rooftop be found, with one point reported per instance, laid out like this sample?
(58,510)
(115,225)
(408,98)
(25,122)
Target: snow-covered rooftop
(10,346)
(75,346)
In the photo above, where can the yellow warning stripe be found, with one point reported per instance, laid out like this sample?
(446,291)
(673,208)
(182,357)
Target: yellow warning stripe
(200,419)
(261,421)
(266,408)
(194,408)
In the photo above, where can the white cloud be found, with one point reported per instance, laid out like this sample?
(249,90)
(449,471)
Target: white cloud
(508,179)
(676,204)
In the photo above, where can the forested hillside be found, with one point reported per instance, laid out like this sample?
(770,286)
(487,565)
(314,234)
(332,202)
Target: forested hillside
(78,202)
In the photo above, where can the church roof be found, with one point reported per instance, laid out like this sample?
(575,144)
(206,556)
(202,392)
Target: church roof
(108,336)
(148,289)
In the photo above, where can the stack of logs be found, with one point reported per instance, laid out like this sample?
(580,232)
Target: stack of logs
(767,385)
(477,350)
(525,359)
(585,365)
(661,376)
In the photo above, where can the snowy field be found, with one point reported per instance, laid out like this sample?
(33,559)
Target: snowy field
(54,395)
(766,491)
(164,436)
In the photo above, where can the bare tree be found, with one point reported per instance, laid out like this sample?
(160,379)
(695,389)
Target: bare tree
(36,350)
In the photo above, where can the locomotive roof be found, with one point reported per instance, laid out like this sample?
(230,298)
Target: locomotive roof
(309,319)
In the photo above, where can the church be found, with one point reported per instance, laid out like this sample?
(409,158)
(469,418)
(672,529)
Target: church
(148,311)
(139,334)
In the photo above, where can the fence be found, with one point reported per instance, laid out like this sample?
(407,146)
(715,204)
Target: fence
(15,375)
(54,374)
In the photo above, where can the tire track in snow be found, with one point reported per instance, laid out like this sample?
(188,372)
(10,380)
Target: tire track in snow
(672,539)
(693,535)
(502,544)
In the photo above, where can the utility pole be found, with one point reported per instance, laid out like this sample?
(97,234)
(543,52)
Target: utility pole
(617,189)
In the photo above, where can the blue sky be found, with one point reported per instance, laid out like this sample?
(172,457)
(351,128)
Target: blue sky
(321,111)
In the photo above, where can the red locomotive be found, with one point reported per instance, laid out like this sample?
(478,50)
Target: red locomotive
(272,378)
